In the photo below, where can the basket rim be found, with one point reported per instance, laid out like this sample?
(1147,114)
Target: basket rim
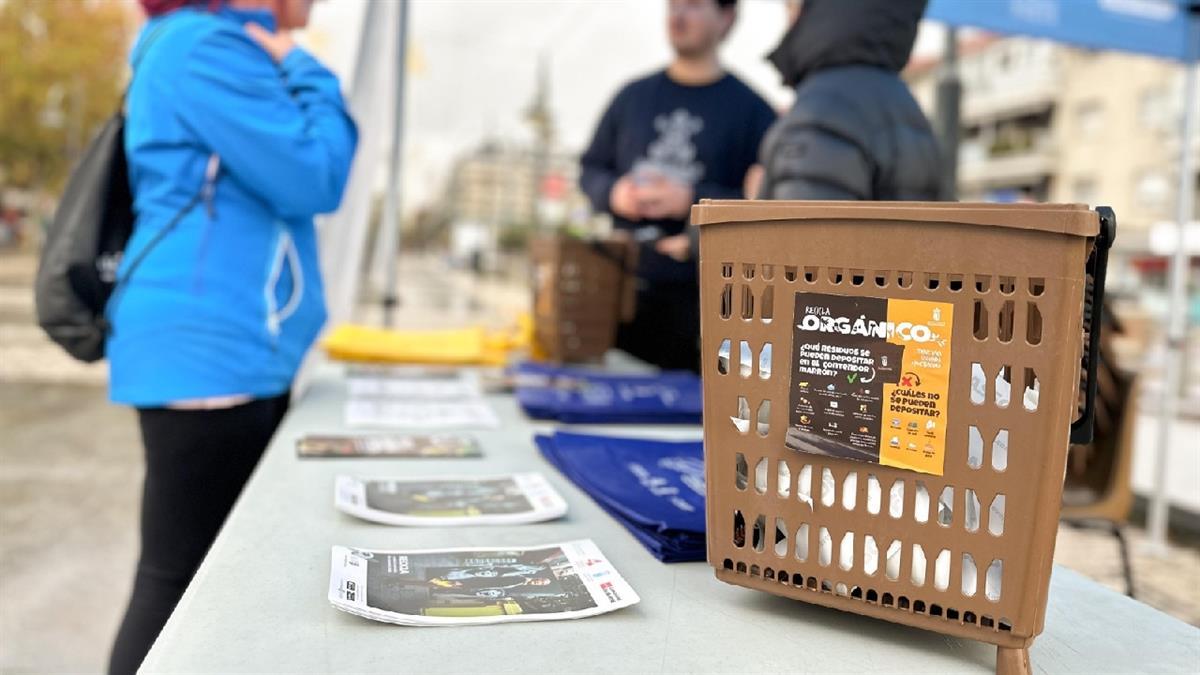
(1069,219)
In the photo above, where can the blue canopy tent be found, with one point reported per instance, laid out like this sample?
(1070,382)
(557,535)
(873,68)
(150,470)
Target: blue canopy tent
(1168,29)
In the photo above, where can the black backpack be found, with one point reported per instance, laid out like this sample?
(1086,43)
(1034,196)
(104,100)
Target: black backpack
(84,243)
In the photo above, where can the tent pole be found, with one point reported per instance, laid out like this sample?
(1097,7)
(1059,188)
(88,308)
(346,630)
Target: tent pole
(1176,320)
(389,240)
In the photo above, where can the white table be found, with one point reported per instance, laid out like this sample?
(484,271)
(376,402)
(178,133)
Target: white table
(258,603)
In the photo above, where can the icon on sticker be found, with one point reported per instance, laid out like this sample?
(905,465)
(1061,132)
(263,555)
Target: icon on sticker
(912,446)
(862,408)
(802,385)
(804,401)
(863,430)
(832,425)
(883,361)
(830,387)
(912,426)
(929,447)
(937,313)
(895,423)
(895,442)
(804,419)
(930,425)
(833,404)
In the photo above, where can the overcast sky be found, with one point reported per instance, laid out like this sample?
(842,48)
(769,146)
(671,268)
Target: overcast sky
(473,64)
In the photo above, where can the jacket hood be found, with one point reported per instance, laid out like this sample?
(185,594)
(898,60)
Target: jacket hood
(832,33)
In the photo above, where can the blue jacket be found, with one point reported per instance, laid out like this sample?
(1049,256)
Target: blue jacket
(229,301)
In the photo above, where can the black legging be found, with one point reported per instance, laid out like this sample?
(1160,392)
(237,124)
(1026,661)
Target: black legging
(196,464)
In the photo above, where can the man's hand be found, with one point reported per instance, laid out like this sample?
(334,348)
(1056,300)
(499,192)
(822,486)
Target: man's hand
(623,199)
(662,198)
(676,246)
(278,45)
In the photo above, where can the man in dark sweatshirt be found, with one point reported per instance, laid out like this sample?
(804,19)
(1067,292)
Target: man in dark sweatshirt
(689,132)
(854,131)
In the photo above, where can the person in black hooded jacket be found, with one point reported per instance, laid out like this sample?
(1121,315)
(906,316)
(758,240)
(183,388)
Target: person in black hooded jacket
(854,131)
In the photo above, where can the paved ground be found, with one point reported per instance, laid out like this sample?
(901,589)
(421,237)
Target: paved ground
(70,468)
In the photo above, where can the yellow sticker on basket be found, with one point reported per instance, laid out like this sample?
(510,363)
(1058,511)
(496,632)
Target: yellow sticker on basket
(870,378)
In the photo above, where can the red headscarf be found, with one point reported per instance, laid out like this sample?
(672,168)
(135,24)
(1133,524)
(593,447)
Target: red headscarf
(156,7)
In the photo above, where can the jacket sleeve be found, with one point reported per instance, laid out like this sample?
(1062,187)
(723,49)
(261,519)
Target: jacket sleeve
(282,131)
(598,164)
(809,161)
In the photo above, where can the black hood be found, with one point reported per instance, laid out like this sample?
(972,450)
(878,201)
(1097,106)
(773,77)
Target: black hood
(848,32)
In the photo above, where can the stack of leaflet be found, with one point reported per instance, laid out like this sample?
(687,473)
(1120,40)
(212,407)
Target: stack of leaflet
(582,396)
(654,488)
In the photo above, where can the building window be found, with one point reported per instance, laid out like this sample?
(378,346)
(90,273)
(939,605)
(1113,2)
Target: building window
(1152,190)
(1153,112)
(1089,118)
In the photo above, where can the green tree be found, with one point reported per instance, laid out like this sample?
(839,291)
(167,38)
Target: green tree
(62,65)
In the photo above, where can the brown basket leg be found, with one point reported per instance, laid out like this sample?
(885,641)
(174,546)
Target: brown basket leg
(1011,661)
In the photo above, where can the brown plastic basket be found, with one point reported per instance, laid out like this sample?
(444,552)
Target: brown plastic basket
(582,290)
(1000,291)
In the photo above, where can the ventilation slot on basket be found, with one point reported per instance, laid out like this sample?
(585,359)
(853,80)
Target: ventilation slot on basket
(971,510)
(768,272)
(810,274)
(1033,324)
(1033,389)
(1003,384)
(992,583)
(896,499)
(727,301)
(921,503)
(931,282)
(802,544)
(781,537)
(874,495)
(857,277)
(941,570)
(804,485)
(1008,285)
(881,278)
(850,491)
(789,273)
(904,279)
(723,357)
(870,556)
(760,533)
(760,476)
(978,384)
(768,304)
(824,547)
(727,270)
(1037,286)
(741,421)
(1000,451)
(917,575)
(891,566)
(748,270)
(1005,323)
(982,283)
(764,417)
(981,320)
(783,476)
(945,510)
(828,488)
(745,359)
(741,476)
(996,516)
(969,575)
(764,362)
(974,447)
(739,529)
(846,553)
(955,282)
(747,303)
(835,276)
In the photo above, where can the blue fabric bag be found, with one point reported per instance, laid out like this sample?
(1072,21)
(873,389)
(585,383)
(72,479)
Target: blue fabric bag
(582,396)
(653,488)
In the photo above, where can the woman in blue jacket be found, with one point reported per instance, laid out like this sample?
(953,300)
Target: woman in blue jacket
(228,115)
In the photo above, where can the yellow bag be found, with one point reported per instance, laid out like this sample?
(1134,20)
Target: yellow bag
(462,346)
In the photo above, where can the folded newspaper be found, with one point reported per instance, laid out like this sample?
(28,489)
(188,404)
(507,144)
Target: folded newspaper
(472,586)
(397,414)
(496,500)
(387,445)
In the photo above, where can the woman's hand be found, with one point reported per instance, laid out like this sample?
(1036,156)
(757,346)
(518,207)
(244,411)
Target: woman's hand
(278,45)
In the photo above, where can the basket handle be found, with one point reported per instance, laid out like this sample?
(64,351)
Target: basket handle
(1093,307)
